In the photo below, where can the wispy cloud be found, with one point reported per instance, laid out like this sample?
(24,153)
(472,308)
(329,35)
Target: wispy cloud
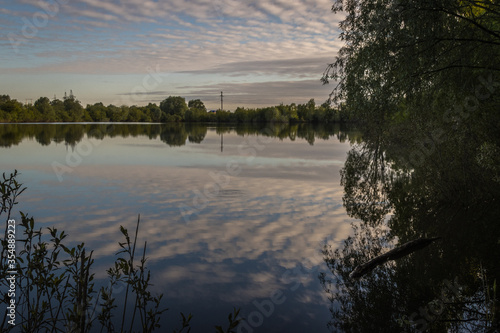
(224,38)
(264,93)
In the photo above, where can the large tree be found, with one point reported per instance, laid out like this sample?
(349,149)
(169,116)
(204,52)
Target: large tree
(174,105)
(406,54)
(197,104)
(73,108)
(45,109)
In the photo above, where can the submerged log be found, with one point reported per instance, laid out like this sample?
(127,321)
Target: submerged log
(393,254)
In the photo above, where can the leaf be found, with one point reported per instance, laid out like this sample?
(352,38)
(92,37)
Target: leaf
(66,249)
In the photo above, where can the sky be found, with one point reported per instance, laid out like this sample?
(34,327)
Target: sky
(133,52)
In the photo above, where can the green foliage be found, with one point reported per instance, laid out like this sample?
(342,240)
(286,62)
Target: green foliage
(45,109)
(171,109)
(197,105)
(174,106)
(154,112)
(73,109)
(405,53)
(60,111)
(420,76)
(97,112)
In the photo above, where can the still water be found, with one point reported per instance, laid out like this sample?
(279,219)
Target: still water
(233,217)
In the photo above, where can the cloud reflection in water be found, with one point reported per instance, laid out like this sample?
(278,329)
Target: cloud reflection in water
(273,217)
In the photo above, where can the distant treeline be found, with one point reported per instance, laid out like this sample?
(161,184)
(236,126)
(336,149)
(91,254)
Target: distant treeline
(171,109)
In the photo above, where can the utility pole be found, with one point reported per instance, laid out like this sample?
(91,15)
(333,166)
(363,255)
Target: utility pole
(221,135)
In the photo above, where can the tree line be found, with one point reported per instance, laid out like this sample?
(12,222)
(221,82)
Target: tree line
(171,109)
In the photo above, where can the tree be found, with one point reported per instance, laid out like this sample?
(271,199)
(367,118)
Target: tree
(11,108)
(414,293)
(271,114)
(113,113)
(412,53)
(197,104)
(196,112)
(73,108)
(288,112)
(97,112)
(154,112)
(241,115)
(45,110)
(60,111)
(135,114)
(224,116)
(175,106)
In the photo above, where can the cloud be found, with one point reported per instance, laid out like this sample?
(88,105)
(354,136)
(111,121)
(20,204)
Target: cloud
(279,228)
(186,30)
(251,94)
(298,67)
(231,41)
(261,93)
(265,236)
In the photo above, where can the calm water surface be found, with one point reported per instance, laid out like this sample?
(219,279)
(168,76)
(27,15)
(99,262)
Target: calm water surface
(233,217)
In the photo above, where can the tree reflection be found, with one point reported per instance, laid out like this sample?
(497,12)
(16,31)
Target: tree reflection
(449,286)
(196,132)
(364,179)
(173,134)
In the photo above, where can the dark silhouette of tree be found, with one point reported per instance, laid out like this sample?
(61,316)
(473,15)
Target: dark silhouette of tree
(400,56)
(435,198)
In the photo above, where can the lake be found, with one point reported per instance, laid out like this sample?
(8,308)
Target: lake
(232,216)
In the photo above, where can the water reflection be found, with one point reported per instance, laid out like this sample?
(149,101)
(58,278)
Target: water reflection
(448,286)
(260,235)
(173,134)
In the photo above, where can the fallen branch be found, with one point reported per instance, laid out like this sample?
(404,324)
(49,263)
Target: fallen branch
(393,254)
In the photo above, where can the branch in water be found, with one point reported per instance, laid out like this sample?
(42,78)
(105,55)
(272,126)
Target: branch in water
(399,252)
